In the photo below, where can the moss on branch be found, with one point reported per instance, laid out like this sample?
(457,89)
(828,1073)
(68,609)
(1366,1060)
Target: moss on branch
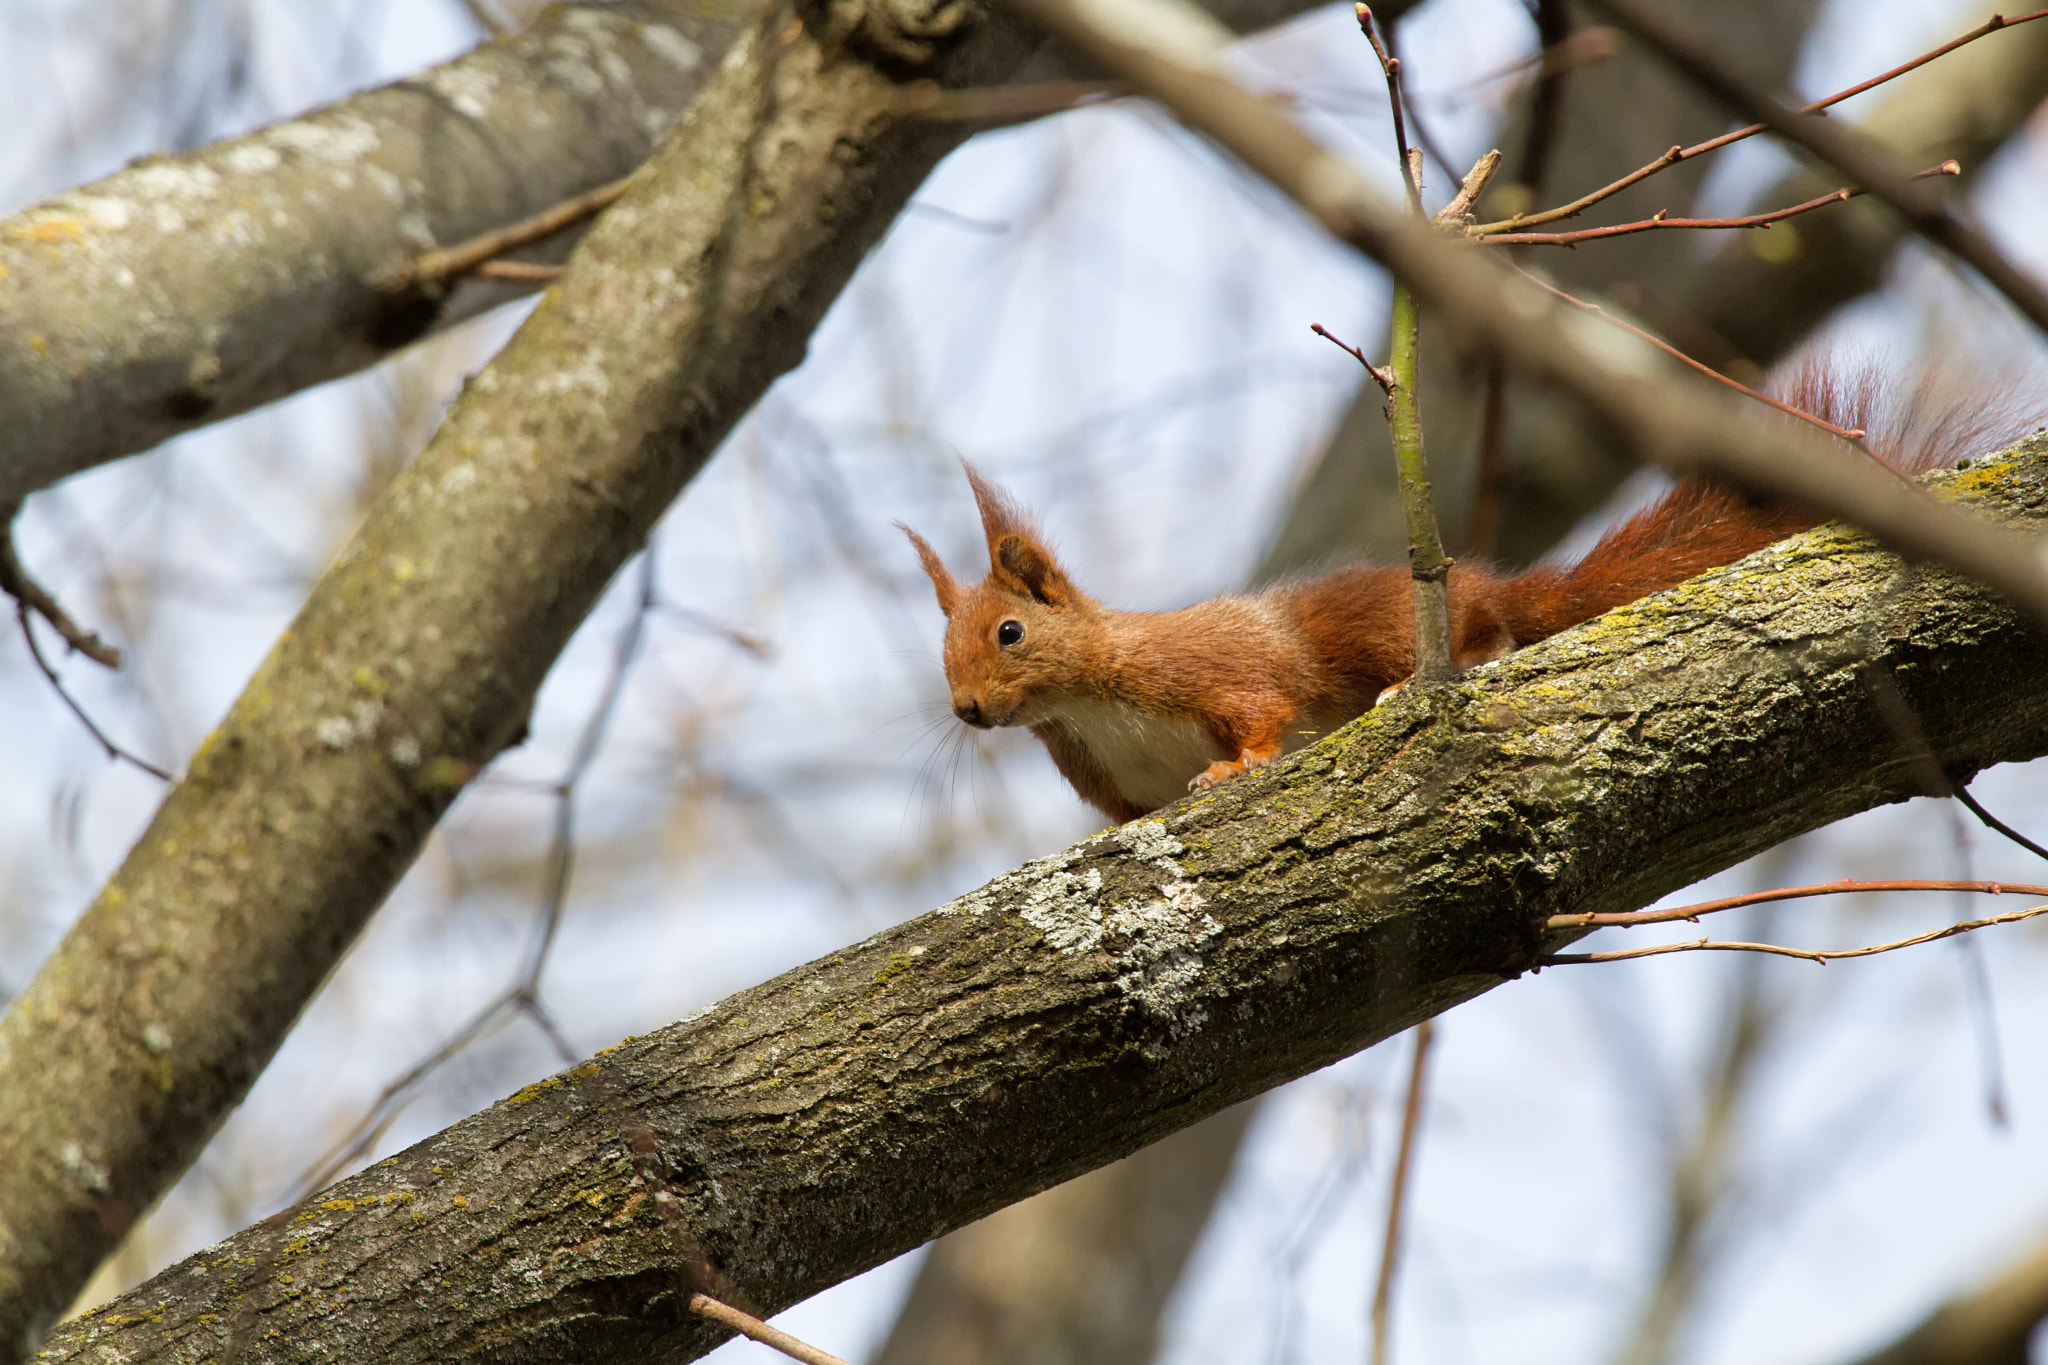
(1091,1002)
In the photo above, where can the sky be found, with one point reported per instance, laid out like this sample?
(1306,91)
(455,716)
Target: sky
(1112,321)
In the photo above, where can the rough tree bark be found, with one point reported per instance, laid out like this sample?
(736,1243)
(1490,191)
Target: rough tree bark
(186,289)
(1729,307)
(417,656)
(1093,1001)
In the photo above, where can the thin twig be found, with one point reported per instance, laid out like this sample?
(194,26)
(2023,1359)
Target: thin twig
(1853,435)
(1822,956)
(1679,154)
(113,750)
(1783,893)
(1397,1194)
(439,266)
(1662,220)
(1546,117)
(1857,155)
(1381,377)
(704,1306)
(16,582)
(1423,139)
(518,270)
(563,848)
(377,1120)
(1934,780)
(1546,106)
(1390,67)
(1962,794)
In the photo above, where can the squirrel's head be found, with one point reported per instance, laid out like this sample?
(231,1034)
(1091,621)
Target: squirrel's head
(1016,641)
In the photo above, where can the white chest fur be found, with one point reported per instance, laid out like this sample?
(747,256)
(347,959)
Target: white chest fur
(1151,758)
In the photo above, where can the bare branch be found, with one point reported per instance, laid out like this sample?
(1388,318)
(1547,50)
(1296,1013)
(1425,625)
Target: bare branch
(32,596)
(1692,913)
(1756,395)
(111,749)
(1857,155)
(1030,1030)
(1397,1193)
(1714,144)
(1662,220)
(1686,428)
(440,267)
(704,1306)
(1810,955)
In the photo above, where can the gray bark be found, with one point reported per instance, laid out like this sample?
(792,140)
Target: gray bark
(418,653)
(1086,1004)
(1730,307)
(186,289)
(417,656)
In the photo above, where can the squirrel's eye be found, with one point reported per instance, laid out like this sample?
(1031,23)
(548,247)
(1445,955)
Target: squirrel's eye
(1009,633)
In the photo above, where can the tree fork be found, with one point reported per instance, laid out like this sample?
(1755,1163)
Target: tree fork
(418,653)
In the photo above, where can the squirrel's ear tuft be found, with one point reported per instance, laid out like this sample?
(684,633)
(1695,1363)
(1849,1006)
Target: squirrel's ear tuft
(1017,558)
(942,581)
(1023,564)
(1000,514)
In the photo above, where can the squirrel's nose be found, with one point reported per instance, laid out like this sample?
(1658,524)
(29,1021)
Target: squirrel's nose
(970,711)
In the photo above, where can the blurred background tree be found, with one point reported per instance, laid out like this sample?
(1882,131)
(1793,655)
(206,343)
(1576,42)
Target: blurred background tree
(1694,1161)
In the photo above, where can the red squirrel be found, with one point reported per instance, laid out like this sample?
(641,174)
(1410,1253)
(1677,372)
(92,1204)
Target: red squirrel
(1139,708)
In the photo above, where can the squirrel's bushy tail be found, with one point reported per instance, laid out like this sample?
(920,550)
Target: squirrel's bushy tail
(1701,524)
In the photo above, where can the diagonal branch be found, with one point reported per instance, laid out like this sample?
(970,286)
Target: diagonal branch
(417,656)
(1673,418)
(236,274)
(1677,155)
(1857,155)
(1088,1003)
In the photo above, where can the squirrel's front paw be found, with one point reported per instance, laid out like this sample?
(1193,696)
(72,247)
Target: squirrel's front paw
(1386,692)
(1221,771)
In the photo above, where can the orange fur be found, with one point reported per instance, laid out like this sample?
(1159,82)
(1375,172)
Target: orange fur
(1137,707)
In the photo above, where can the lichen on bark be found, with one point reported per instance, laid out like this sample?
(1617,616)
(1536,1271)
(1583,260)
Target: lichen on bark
(1095,1000)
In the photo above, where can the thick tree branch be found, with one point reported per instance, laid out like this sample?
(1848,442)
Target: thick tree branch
(1093,1001)
(1857,155)
(1673,418)
(417,656)
(185,289)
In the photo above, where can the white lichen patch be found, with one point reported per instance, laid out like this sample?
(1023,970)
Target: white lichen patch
(252,158)
(81,1167)
(338,732)
(190,180)
(1062,907)
(458,480)
(339,140)
(1160,958)
(467,86)
(1148,841)
(676,48)
(993,896)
